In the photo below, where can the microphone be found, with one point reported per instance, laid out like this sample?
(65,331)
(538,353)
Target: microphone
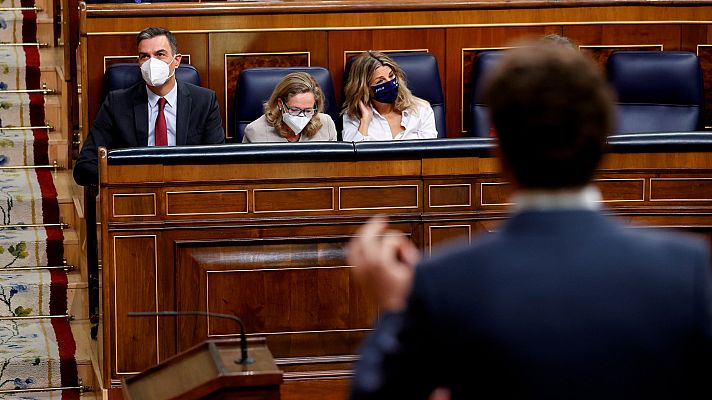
(244,358)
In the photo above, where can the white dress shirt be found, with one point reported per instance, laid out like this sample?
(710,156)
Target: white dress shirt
(419,123)
(585,198)
(169,111)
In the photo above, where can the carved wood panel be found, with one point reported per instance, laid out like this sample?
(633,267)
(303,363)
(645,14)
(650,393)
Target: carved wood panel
(135,284)
(295,291)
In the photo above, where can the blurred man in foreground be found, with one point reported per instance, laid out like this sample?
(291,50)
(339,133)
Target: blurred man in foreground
(561,302)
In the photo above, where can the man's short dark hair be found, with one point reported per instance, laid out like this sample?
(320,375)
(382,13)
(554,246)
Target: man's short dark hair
(552,110)
(152,32)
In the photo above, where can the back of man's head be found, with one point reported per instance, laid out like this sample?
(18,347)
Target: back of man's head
(552,109)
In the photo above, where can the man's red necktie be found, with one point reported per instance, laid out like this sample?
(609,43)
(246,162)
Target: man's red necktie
(161,130)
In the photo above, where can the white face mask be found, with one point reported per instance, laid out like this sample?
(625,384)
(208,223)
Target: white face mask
(155,72)
(296,124)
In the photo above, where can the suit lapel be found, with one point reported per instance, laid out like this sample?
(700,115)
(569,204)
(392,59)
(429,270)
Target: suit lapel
(141,115)
(183,110)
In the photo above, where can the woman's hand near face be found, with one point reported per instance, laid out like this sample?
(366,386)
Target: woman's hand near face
(366,117)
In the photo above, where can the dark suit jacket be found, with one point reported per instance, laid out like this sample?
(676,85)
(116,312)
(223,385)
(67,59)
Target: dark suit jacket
(123,122)
(557,305)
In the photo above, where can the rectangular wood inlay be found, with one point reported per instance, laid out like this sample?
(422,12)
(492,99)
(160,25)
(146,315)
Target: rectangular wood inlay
(293,199)
(203,202)
(133,204)
(287,300)
(616,190)
(680,189)
(134,266)
(378,197)
(443,233)
(456,195)
(495,193)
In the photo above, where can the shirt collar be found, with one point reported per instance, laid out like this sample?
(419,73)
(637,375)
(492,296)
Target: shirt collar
(585,198)
(171,97)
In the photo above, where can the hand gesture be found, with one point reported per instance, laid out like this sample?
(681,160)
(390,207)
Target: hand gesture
(384,261)
(366,113)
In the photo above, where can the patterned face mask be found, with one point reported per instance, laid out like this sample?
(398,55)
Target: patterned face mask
(386,92)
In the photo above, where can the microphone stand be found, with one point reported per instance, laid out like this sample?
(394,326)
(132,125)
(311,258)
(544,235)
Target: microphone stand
(244,358)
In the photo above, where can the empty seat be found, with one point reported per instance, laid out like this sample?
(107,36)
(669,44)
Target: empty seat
(423,79)
(485,63)
(255,86)
(657,91)
(125,75)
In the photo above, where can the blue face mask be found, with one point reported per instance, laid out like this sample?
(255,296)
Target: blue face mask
(386,92)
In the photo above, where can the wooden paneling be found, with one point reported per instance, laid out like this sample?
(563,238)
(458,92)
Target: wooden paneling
(343,43)
(206,202)
(667,35)
(134,204)
(293,199)
(379,197)
(495,193)
(231,52)
(449,195)
(298,292)
(681,189)
(323,389)
(621,189)
(135,287)
(444,233)
(285,273)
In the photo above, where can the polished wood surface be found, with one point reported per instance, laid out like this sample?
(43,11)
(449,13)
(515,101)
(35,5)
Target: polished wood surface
(224,38)
(265,241)
(210,371)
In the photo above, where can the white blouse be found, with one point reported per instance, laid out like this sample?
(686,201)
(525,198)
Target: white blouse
(418,124)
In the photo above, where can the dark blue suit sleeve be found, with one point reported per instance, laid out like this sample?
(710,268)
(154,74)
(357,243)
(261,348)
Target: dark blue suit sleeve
(395,361)
(214,132)
(101,134)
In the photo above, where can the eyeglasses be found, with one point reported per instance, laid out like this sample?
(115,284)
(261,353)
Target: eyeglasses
(298,112)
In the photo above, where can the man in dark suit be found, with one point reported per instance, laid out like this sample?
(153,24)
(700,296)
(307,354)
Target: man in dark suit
(562,302)
(159,112)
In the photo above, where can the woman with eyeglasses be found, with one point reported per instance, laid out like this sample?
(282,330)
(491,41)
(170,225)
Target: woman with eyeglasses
(293,113)
(379,106)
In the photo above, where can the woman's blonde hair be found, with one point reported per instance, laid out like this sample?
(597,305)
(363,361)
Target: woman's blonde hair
(358,88)
(293,84)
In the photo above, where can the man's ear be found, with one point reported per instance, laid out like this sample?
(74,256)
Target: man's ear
(178,58)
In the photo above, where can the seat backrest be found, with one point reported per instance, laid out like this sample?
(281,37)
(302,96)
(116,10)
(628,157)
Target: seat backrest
(657,91)
(485,63)
(255,86)
(125,75)
(423,79)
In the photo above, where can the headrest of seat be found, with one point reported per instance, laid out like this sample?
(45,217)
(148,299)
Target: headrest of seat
(485,63)
(255,86)
(656,77)
(125,75)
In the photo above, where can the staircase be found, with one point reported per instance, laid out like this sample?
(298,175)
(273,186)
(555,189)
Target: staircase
(29,278)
